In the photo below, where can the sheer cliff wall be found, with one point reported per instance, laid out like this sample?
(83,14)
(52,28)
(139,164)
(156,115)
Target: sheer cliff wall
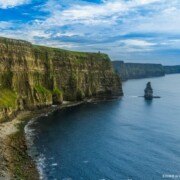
(35,76)
(137,70)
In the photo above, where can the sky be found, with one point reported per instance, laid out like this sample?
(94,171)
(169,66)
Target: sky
(131,30)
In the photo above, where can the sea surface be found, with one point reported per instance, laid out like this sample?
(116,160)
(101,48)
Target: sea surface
(129,138)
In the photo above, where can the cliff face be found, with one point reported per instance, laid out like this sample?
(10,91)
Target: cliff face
(137,70)
(172,69)
(35,76)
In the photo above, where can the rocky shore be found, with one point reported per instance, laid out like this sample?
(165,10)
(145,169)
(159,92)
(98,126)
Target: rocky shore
(15,161)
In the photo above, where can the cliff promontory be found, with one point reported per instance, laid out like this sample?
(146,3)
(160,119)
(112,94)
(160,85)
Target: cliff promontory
(142,70)
(137,70)
(172,69)
(35,76)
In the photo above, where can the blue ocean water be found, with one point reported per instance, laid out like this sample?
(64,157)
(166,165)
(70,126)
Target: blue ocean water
(129,138)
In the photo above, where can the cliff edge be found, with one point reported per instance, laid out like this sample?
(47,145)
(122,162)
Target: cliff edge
(137,70)
(36,76)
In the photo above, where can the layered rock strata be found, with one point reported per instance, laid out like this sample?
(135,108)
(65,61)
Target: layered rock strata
(36,76)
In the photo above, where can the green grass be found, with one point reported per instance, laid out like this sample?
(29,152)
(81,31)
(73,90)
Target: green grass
(57,91)
(57,96)
(42,90)
(10,41)
(68,52)
(7,98)
(54,50)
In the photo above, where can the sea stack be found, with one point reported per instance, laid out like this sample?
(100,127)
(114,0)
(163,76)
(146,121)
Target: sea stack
(148,92)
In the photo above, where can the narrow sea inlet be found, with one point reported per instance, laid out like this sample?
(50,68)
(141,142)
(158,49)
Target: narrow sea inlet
(129,138)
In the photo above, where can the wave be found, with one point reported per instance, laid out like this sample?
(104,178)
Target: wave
(39,159)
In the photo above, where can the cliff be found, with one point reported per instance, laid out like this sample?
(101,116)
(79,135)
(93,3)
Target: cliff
(172,69)
(137,70)
(35,76)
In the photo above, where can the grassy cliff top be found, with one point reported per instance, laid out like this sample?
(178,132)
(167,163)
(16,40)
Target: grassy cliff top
(13,41)
(135,63)
(75,53)
(10,41)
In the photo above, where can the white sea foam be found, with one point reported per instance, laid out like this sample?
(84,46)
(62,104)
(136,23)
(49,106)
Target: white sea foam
(39,159)
(54,164)
(29,134)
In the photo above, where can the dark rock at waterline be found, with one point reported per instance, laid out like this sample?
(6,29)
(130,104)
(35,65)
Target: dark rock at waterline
(156,97)
(148,92)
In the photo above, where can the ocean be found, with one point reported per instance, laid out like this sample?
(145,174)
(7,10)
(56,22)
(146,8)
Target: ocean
(125,139)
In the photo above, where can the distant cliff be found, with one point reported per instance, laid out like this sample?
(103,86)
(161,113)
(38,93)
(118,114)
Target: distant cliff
(137,70)
(172,69)
(36,76)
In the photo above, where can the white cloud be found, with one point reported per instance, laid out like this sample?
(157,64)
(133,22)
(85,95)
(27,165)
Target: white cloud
(4,4)
(118,16)
(87,14)
(163,21)
(107,12)
(85,26)
(143,2)
(138,43)
(5,25)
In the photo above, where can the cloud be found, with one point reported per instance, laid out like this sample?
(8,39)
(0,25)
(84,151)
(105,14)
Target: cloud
(107,12)
(116,27)
(4,4)
(138,43)
(5,25)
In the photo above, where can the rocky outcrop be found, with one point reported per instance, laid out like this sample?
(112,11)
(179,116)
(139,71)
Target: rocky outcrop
(137,70)
(35,76)
(148,92)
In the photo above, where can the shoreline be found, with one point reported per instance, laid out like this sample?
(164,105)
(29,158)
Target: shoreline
(14,157)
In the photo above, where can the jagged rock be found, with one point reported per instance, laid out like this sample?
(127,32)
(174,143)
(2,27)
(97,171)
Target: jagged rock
(148,92)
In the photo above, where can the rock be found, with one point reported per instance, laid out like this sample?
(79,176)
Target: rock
(36,76)
(137,70)
(148,92)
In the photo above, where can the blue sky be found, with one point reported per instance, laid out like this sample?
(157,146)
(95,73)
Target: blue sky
(129,30)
